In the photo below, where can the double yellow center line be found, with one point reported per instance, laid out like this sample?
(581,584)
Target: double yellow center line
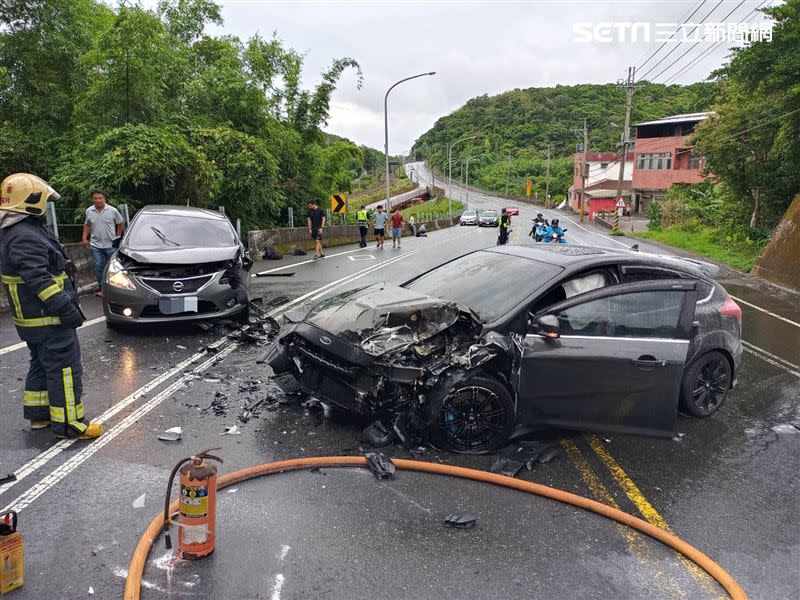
(634,540)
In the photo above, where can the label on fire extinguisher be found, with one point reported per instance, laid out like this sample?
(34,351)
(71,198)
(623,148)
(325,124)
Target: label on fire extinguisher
(194,501)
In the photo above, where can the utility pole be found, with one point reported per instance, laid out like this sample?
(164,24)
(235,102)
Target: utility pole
(623,150)
(508,170)
(584,169)
(547,182)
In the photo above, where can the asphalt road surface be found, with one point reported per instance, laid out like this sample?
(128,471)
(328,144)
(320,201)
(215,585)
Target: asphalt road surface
(727,484)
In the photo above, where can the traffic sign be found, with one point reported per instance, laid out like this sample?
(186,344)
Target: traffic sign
(338,204)
(620,203)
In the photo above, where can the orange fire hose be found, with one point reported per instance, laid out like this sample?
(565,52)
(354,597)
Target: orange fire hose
(140,554)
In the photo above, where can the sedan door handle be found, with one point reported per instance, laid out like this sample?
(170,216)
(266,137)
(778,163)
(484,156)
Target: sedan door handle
(648,362)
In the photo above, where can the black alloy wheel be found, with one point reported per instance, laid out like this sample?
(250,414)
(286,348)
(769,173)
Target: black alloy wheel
(705,384)
(476,417)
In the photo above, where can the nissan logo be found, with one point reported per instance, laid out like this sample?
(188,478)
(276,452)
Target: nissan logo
(177,286)
(325,340)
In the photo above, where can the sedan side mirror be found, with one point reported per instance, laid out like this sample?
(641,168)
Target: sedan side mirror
(116,242)
(547,326)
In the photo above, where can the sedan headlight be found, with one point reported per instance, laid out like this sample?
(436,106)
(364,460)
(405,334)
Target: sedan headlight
(117,277)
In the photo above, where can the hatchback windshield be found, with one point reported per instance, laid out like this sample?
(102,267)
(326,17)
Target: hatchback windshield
(472,281)
(157,230)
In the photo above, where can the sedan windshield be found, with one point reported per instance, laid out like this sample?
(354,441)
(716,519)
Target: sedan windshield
(489,213)
(489,283)
(156,231)
(468,213)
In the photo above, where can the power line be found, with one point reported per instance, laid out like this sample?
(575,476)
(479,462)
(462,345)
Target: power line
(694,45)
(649,58)
(703,20)
(752,15)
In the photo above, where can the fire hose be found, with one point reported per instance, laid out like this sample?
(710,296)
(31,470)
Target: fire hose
(142,551)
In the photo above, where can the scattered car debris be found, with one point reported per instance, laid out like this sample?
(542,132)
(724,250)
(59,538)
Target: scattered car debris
(507,466)
(180,347)
(281,274)
(785,428)
(139,502)
(232,490)
(678,437)
(312,405)
(378,435)
(298,252)
(381,466)
(173,434)
(231,430)
(461,520)
(8,478)
(277,301)
(418,452)
(525,453)
(271,254)
(91,591)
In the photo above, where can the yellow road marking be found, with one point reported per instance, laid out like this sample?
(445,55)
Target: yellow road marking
(648,511)
(636,542)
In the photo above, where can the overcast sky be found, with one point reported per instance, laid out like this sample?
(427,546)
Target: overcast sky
(475,48)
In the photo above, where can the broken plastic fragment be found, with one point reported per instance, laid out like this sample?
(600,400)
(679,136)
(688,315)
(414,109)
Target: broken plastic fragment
(173,434)
(378,435)
(785,428)
(461,520)
(507,466)
(231,430)
(381,466)
(139,502)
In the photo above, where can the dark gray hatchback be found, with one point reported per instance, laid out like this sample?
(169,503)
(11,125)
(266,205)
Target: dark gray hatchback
(502,340)
(176,263)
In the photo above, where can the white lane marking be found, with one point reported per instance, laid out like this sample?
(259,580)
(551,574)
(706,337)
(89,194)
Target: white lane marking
(22,344)
(31,494)
(365,257)
(277,587)
(771,358)
(309,261)
(764,310)
(62,445)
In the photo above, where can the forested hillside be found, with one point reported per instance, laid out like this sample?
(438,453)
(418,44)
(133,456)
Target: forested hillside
(516,128)
(146,105)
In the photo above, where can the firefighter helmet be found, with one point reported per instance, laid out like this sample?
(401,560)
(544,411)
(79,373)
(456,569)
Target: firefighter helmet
(25,193)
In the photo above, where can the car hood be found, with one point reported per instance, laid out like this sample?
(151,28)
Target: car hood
(181,256)
(384,318)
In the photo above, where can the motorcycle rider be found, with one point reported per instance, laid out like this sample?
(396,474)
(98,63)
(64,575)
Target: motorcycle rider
(541,223)
(45,310)
(505,226)
(554,232)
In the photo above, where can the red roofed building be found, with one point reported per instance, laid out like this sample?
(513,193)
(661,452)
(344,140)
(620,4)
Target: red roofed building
(601,181)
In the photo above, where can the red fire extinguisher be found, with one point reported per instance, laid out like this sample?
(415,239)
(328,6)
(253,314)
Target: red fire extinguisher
(197,505)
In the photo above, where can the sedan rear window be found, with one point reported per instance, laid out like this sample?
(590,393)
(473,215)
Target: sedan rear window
(151,231)
(489,283)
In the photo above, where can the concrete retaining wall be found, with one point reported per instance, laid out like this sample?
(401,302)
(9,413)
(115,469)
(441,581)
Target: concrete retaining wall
(85,278)
(778,263)
(285,239)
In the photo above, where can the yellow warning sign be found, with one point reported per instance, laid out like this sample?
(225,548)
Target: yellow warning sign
(528,188)
(339,204)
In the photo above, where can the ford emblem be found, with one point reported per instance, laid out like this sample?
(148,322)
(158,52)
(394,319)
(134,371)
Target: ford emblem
(325,340)
(177,286)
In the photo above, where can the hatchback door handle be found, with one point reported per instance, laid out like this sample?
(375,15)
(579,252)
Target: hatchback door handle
(648,362)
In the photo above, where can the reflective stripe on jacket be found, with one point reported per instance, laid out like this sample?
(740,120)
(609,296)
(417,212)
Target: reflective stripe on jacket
(32,264)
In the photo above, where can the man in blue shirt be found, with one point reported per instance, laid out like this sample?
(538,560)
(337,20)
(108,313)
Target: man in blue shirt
(380,219)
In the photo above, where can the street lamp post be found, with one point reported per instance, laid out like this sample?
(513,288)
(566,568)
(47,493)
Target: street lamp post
(466,178)
(450,172)
(386,128)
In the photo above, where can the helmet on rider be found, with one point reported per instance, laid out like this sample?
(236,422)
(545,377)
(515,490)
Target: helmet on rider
(554,223)
(538,215)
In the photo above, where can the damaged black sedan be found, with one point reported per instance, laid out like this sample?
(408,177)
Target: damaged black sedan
(504,340)
(176,263)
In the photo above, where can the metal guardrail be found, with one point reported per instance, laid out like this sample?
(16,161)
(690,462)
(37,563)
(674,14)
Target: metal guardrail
(418,191)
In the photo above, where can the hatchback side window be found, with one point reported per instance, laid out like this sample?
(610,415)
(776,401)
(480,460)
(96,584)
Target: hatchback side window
(653,314)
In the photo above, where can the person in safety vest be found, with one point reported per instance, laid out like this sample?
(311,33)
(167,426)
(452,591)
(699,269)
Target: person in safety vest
(44,308)
(363,226)
(505,225)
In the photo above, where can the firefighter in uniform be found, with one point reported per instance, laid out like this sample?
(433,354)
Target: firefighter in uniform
(505,225)
(45,308)
(363,226)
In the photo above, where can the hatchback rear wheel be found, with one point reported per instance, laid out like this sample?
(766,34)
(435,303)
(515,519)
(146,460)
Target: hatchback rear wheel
(475,417)
(705,384)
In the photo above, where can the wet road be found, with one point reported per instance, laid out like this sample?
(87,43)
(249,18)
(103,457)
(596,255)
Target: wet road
(728,484)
